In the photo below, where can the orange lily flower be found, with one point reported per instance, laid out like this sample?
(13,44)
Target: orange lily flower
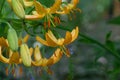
(40,61)
(69,7)
(42,11)
(46,13)
(52,41)
(14,57)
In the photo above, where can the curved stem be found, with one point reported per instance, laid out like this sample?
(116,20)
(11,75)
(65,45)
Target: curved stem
(101,45)
(2,21)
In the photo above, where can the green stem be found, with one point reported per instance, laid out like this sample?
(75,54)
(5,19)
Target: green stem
(2,21)
(101,45)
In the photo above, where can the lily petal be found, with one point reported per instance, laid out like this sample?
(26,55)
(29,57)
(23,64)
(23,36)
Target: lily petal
(52,60)
(39,39)
(55,6)
(3,42)
(51,41)
(34,17)
(39,8)
(37,54)
(55,57)
(68,38)
(2,58)
(75,34)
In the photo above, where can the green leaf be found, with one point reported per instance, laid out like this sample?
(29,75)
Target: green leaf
(111,45)
(115,20)
(108,35)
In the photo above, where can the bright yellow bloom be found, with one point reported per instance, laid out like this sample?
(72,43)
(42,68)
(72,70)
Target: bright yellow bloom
(46,13)
(39,60)
(42,11)
(69,7)
(15,58)
(52,41)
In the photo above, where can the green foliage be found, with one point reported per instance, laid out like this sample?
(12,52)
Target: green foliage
(115,20)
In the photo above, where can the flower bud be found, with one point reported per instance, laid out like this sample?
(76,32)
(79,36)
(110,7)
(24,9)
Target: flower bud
(18,8)
(25,55)
(12,39)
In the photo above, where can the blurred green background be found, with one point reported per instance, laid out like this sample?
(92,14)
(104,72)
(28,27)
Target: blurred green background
(94,55)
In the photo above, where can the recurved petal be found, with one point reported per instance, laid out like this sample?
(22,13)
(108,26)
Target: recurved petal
(39,8)
(31,51)
(75,33)
(39,39)
(52,60)
(37,54)
(68,38)
(55,6)
(51,41)
(2,58)
(42,62)
(52,35)
(34,17)
(3,42)
(55,57)
(26,38)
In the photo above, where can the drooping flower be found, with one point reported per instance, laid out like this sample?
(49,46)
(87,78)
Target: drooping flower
(39,60)
(67,9)
(43,12)
(15,57)
(52,41)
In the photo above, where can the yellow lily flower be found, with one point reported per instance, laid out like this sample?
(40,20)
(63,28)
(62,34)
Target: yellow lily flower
(42,11)
(40,61)
(14,57)
(69,7)
(46,13)
(52,41)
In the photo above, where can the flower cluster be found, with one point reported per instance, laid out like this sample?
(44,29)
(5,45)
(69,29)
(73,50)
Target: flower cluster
(17,50)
